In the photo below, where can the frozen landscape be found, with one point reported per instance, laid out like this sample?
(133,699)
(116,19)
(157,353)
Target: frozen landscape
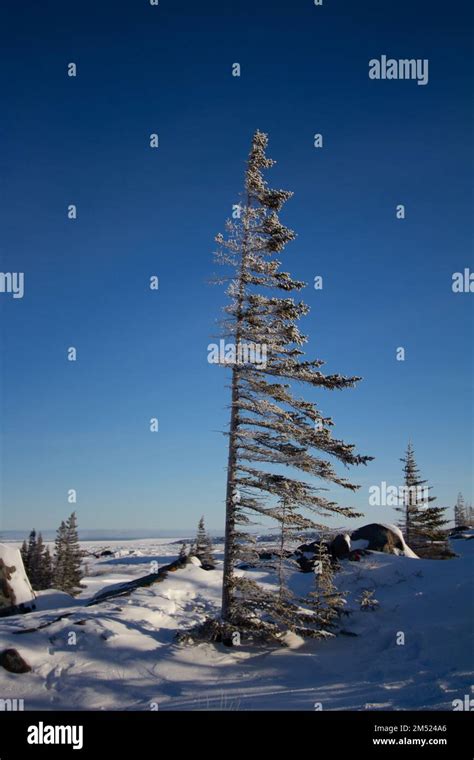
(121,654)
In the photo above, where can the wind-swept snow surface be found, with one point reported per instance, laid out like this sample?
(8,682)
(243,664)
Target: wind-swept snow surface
(413,652)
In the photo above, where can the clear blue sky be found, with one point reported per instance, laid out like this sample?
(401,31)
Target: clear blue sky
(141,354)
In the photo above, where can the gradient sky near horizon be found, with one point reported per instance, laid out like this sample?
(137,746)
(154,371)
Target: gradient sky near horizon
(143,354)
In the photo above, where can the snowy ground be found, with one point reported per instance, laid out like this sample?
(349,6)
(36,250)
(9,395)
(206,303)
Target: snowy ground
(121,654)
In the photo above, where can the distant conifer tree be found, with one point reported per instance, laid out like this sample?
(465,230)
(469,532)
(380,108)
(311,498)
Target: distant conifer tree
(421,523)
(24,555)
(31,555)
(37,561)
(46,569)
(431,526)
(67,571)
(203,544)
(60,557)
(460,512)
(74,556)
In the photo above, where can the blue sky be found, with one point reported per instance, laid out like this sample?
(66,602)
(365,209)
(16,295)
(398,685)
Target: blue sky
(142,354)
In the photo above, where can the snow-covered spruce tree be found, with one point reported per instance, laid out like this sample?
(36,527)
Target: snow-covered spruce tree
(432,526)
(67,570)
(73,564)
(46,578)
(37,561)
(288,610)
(327,602)
(24,555)
(31,557)
(420,523)
(60,557)
(204,545)
(201,537)
(270,425)
(32,561)
(183,552)
(42,566)
(460,512)
(367,601)
(209,553)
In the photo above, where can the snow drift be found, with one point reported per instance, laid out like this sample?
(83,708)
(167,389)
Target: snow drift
(126,658)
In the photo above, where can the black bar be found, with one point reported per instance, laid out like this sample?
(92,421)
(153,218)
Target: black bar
(422,734)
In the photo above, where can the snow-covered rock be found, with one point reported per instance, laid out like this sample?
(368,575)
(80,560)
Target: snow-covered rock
(11,660)
(340,546)
(382,537)
(15,588)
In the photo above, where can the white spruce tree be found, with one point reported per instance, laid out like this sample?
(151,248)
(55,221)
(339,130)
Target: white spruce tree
(74,554)
(367,600)
(201,537)
(34,552)
(60,557)
(432,525)
(31,557)
(204,550)
(183,552)
(269,424)
(327,602)
(414,501)
(209,559)
(24,555)
(46,578)
(287,610)
(421,524)
(460,512)
(37,561)
(67,564)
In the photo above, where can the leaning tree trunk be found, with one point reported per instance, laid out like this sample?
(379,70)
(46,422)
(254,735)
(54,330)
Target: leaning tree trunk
(230,505)
(231,495)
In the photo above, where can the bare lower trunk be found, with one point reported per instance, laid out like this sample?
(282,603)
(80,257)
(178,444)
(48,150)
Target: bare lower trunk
(230,508)
(282,546)
(231,495)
